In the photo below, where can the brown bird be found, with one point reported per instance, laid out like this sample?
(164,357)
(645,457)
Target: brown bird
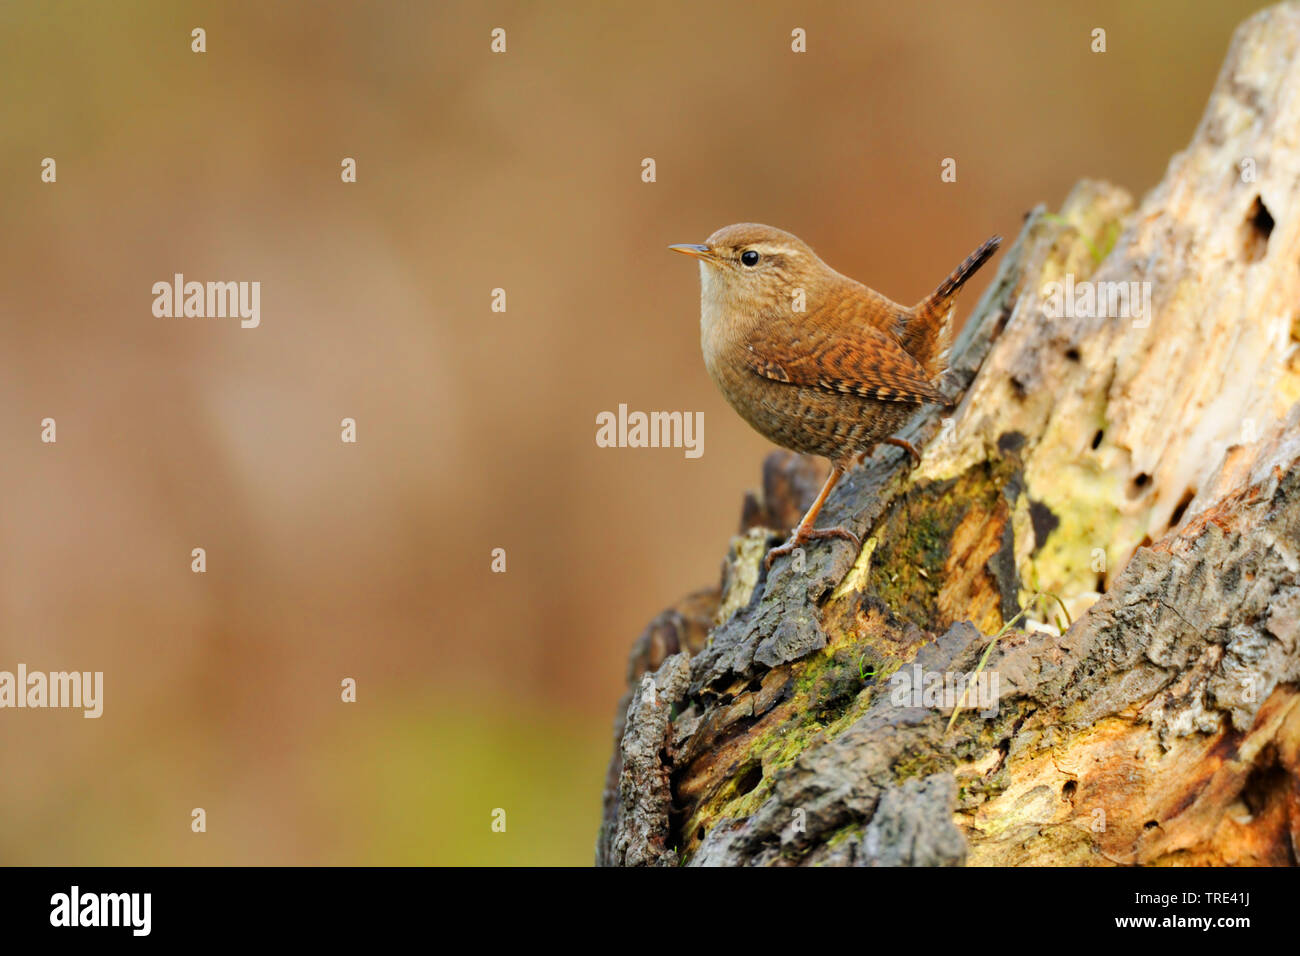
(815,361)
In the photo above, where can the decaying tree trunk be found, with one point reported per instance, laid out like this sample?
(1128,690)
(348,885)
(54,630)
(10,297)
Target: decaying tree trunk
(1141,465)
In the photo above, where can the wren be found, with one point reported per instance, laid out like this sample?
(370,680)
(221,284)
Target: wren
(815,361)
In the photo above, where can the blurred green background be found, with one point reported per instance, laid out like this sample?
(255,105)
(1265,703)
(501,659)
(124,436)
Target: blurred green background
(476,429)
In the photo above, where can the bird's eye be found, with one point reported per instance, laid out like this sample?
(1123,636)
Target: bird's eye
(749,257)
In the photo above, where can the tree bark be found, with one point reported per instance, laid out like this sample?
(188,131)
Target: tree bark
(1139,464)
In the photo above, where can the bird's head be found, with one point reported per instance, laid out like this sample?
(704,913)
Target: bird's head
(755,265)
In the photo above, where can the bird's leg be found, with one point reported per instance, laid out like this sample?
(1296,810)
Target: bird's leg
(806,532)
(906,445)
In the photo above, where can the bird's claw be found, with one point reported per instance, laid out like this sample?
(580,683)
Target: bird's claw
(907,446)
(811,534)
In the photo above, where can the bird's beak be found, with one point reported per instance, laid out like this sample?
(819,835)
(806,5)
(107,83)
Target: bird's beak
(693,249)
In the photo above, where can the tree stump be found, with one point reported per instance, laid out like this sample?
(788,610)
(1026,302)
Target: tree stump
(1127,441)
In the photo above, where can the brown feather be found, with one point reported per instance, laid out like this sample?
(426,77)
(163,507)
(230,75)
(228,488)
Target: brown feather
(856,360)
(927,334)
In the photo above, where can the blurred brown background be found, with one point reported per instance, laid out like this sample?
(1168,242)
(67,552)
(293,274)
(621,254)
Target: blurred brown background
(476,429)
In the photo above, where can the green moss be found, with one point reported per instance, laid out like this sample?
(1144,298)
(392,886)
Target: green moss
(922,763)
(854,831)
(908,567)
(829,696)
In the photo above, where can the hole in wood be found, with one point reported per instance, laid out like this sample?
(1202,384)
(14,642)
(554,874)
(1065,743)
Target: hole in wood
(1259,226)
(749,779)
(1181,508)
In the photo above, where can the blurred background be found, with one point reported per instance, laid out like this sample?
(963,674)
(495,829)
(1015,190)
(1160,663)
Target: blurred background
(476,430)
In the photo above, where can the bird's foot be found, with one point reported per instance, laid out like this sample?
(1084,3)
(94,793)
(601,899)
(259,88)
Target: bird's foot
(907,446)
(902,443)
(804,535)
